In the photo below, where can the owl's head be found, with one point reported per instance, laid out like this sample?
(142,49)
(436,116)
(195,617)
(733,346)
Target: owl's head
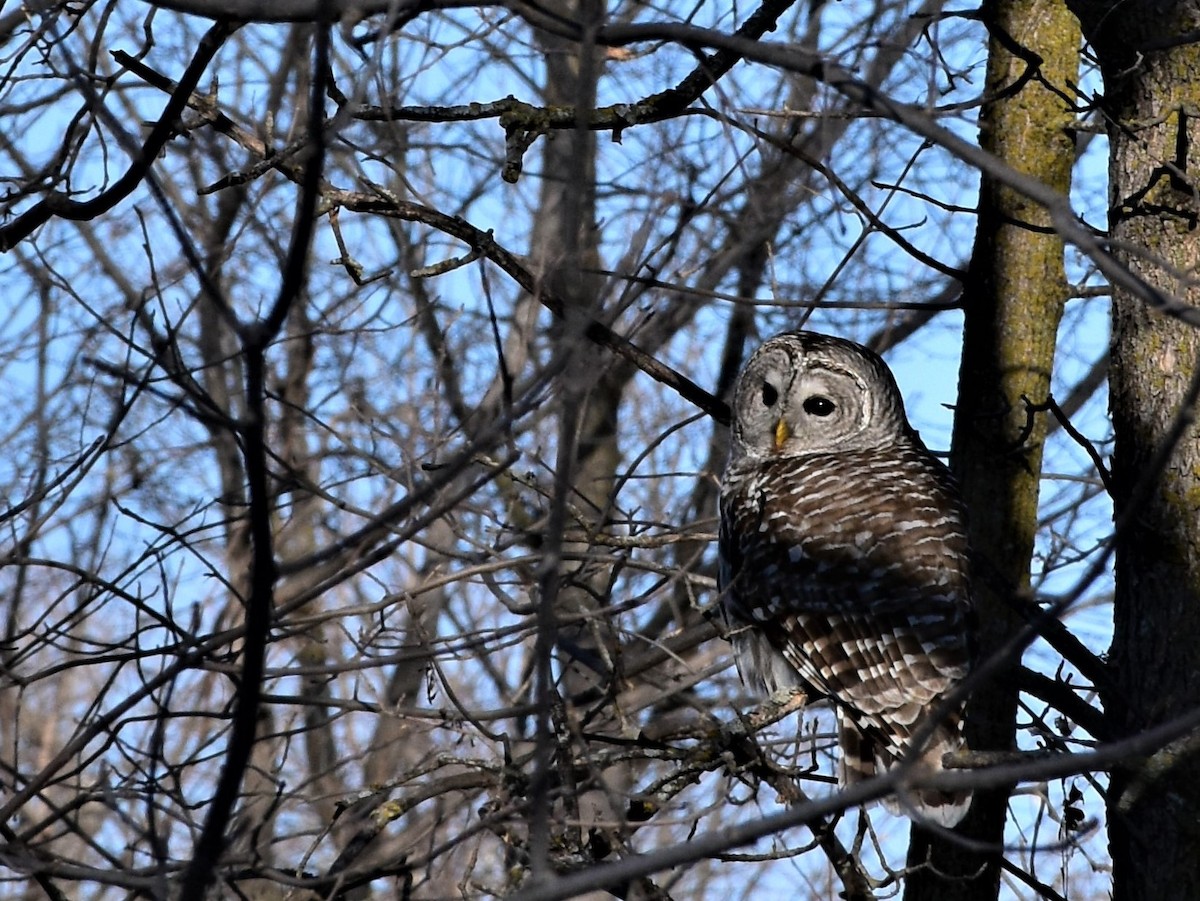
(802,392)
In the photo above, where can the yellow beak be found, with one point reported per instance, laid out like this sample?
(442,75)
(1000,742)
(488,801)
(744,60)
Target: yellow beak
(781,434)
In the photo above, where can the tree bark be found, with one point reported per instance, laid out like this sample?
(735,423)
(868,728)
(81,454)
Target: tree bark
(1152,94)
(1013,300)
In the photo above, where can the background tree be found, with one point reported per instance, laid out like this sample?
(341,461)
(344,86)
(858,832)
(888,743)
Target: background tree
(1151,88)
(366,373)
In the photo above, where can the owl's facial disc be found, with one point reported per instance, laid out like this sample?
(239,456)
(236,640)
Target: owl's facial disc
(792,399)
(799,396)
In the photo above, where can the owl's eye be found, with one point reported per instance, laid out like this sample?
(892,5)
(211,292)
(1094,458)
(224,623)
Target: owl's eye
(818,406)
(769,394)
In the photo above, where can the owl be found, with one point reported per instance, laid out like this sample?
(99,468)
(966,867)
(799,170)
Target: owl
(843,557)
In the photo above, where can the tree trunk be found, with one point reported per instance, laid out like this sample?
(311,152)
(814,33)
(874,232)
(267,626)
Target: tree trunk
(1152,93)
(1013,300)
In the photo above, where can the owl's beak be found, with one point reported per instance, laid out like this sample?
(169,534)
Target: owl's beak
(781,434)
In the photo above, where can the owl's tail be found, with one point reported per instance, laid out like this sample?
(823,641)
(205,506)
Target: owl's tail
(863,757)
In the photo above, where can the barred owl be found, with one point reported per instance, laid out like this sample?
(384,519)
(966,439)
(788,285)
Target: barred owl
(844,556)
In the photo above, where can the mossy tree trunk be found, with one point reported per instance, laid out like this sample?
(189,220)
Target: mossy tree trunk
(1013,300)
(1152,96)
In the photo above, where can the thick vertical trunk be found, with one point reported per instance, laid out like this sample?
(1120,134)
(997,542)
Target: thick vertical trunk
(565,254)
(1152,94)
(1013,300)
(565,257)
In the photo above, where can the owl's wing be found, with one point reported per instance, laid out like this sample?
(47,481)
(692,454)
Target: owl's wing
(854,568)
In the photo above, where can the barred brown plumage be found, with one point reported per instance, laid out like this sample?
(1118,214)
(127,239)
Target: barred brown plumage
(844,557)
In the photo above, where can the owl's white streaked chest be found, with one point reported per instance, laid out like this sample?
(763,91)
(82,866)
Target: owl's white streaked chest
(826,537)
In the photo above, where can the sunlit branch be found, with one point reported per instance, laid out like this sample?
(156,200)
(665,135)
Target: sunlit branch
(916,120)
(523,122)
(57,205)
(740,834)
